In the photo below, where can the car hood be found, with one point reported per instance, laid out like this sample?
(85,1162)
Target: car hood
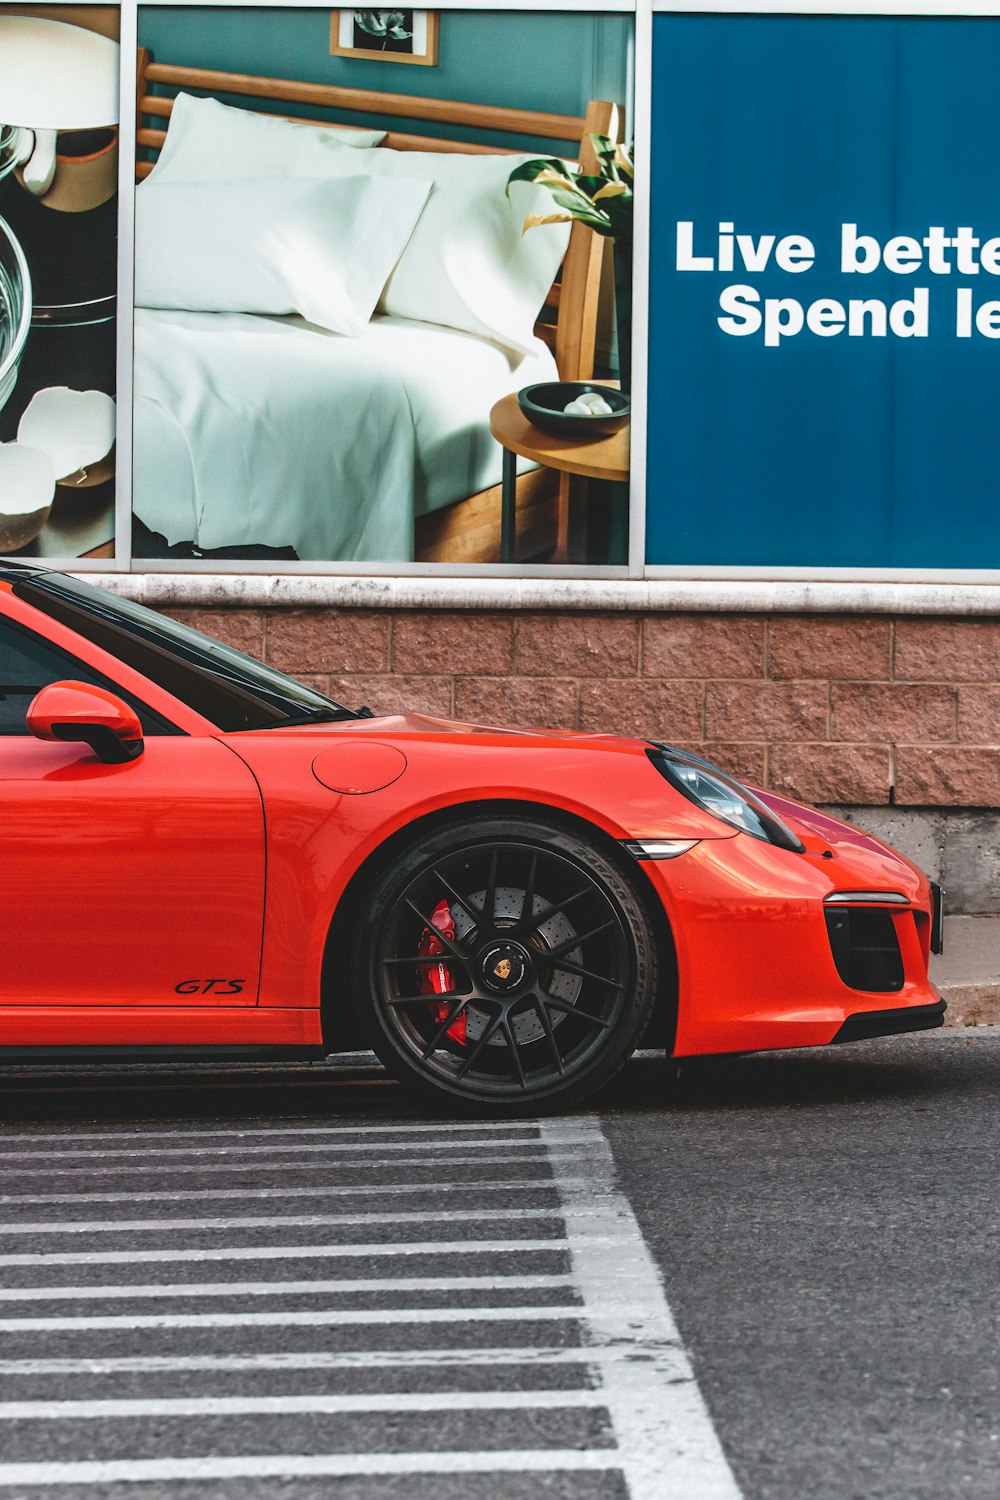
(860,861)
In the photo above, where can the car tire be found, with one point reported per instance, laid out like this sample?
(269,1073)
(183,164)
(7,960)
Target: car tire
(505,966)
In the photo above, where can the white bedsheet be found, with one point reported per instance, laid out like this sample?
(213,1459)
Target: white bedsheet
(268,431)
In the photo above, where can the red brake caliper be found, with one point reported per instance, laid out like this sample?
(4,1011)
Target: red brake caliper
(437,979)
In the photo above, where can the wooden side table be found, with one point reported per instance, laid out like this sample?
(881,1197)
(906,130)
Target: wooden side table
(597,458)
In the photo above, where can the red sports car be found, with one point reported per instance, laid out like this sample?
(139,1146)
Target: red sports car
(201,856)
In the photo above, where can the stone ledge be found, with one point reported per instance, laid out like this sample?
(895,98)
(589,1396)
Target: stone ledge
(750,596)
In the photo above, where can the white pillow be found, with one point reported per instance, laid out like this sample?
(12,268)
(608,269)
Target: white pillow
(468,265)
(281,245)
(208,141)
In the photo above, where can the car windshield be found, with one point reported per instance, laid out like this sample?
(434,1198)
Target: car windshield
(225,686)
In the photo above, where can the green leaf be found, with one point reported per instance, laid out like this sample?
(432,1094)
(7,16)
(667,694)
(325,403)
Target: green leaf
(575,191)
(592,218)
(529,170)
(577,203)
(589,184)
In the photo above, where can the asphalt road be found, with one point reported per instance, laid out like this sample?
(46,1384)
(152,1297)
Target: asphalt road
(225,1282)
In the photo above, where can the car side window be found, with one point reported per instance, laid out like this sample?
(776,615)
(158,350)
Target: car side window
(28,663)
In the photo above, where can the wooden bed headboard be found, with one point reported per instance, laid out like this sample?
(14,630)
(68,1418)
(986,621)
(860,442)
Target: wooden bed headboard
(568,322)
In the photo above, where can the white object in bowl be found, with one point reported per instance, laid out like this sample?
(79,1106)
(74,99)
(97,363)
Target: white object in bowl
(590,404)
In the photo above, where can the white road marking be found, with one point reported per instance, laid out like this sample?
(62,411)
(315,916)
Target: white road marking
(668,1446)
(342,1285)
(445,1129)
(533,1154)
(335,1148)
(631,1361)
(275,1221)
(339,1317)
(324,1359)
(248,1406)
(323,1465)
(346,1190)
(463,1248)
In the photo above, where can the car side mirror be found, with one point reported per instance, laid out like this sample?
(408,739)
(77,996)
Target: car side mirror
(80,711)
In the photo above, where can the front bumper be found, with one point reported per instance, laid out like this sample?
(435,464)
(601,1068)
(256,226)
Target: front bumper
(756,969)
(864,1025)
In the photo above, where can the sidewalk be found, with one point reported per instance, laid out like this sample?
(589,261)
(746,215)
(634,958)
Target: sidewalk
(968,971)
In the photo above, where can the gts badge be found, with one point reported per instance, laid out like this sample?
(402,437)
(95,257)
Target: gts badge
(210,987)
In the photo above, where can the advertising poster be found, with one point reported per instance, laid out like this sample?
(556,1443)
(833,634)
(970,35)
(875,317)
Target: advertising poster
(824,342)
(59,172)
(333,298)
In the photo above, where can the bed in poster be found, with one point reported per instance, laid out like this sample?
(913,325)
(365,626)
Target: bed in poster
(355,428)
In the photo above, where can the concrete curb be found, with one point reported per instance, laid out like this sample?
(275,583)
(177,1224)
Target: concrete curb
(972,1004)
(968,972)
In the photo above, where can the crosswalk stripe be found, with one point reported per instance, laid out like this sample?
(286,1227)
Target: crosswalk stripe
(344,1190)
(431,1147)
(315,1318)
(85,1167)
(375,1251)
(444,1129)
(248,1406)
(343,1286)
(275,1221)
(391,1358)
(300,1466)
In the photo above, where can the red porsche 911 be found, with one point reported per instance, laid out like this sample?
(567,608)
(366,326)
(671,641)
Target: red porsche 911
(202,856)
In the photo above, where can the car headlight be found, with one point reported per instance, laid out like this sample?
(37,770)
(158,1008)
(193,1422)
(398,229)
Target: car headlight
(716,793)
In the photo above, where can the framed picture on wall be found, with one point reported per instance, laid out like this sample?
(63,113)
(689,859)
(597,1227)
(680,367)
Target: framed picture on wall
(406,36)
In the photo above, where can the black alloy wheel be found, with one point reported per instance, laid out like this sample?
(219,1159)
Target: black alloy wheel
(506,964)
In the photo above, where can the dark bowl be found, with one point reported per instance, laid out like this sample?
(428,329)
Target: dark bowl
(544,406)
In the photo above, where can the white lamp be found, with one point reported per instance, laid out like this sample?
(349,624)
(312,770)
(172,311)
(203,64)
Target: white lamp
(53,77)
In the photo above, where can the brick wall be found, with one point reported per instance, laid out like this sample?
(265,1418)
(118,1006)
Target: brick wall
(832,709)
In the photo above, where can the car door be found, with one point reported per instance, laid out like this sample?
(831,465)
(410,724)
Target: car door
(122,885)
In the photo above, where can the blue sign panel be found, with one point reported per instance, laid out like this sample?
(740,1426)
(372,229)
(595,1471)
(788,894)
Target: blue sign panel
(824,360)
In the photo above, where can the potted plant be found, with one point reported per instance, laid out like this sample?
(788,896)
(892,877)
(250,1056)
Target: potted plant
(602,201)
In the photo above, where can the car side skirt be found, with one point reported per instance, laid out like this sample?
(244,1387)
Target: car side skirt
(67,1056)
(49,1027)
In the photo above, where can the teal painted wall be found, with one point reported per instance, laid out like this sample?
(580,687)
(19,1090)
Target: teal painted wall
(538,60)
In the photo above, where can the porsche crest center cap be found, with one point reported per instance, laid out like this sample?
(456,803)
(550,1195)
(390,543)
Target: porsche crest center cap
(504,966)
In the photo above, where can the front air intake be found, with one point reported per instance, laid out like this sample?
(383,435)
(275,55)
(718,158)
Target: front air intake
(865,948)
